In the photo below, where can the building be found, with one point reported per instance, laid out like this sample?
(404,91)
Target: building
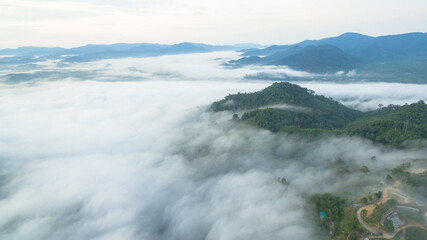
(323,215)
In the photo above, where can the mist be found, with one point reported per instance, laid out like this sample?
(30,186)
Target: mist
(129,150)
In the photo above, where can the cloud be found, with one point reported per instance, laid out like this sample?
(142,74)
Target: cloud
(145,160)
(287,107)
(367,96)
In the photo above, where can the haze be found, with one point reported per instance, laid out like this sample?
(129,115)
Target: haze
(104,156)
(69,23)
(213,120)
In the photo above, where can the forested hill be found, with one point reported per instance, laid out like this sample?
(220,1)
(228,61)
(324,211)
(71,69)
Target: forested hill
(285,107)
(279,93)
(392,124)
(317,111)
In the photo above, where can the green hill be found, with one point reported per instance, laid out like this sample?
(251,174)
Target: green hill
(393,124)
(315,111)
(285,107)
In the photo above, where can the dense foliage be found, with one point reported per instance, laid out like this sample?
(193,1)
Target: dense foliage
(415,234)
(393,124)
(318,111)
(277,93)
(341,216)
(316,114)
(332,205)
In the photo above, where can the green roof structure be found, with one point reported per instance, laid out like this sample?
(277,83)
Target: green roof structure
(323,215)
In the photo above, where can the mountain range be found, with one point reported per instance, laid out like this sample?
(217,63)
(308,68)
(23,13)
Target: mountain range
(329,55)
(345,52)
(93,52)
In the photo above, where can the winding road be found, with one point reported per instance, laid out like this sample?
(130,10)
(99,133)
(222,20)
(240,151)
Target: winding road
(402,199)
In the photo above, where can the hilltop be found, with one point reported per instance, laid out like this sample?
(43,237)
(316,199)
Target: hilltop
(286,107)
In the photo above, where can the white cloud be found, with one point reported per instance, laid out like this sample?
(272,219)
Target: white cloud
(368,95)
(144,160)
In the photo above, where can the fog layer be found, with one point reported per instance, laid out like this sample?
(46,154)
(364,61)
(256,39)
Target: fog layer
(145,160)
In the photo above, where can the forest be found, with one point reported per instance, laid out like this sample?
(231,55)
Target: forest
(317,114)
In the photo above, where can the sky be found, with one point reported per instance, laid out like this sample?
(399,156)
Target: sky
(69,23)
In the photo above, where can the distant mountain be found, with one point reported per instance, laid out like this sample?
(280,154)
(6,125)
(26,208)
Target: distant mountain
(118,47)
(99,51)
(319,59)
(31,51)
(345,41)
(194,48)
(398,47)
(313,58)
(410,46)
(351,49)
(285,107)
(266,51)
(277,56)
(141,50)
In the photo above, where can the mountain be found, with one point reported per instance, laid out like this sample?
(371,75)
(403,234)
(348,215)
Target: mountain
(277,56)
(99,51)
(410,46)
(118,47)
(193,48)
(285,107)
(266,51)
(31,51)
(393,124)
(313,58)
(319,59)
(302,108)
(344,41)
(400,47)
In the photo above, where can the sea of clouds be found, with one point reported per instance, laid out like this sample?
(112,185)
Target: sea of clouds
(126,149)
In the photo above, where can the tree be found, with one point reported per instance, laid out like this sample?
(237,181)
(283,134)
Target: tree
(389,178)
(235,117)
(353,236)
(364,212)
(364,169)
(388,226)
(378,195)
(364,200)
(332,205)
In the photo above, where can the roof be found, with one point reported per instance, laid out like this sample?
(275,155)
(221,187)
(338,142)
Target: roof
(323,215)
